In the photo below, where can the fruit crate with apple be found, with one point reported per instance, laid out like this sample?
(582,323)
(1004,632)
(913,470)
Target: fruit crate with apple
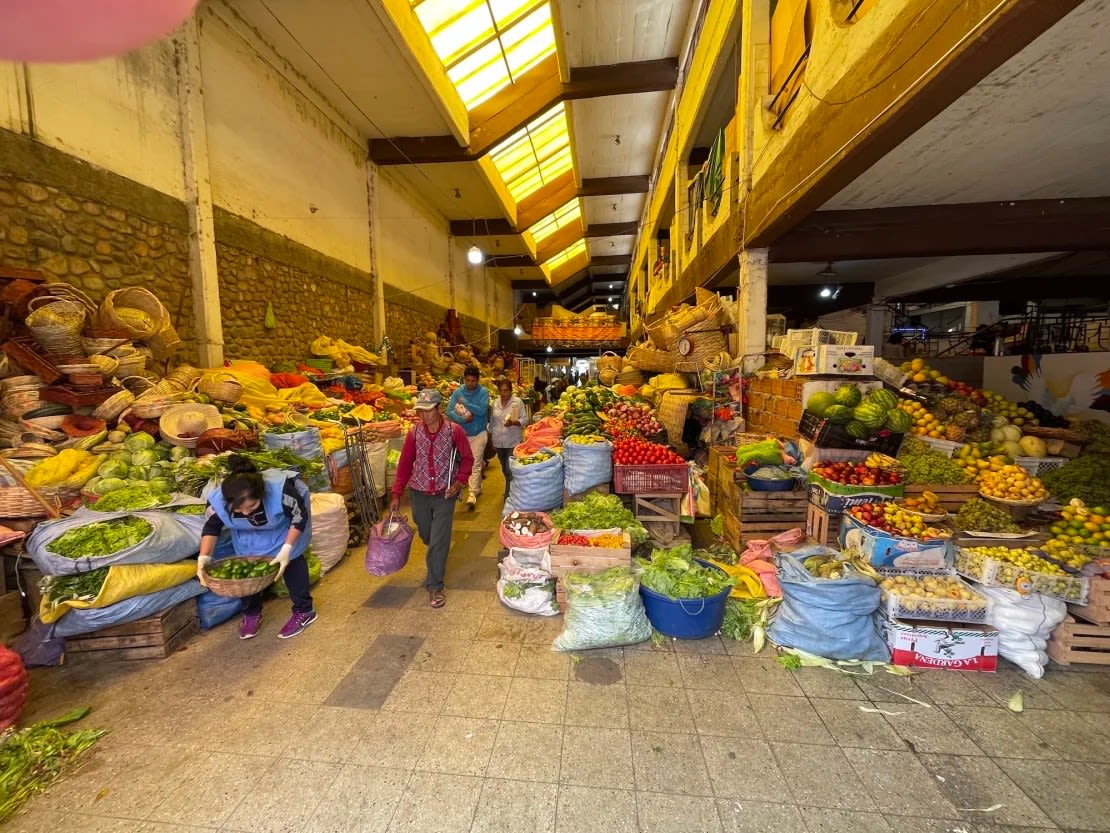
(937,594)
(1019,568)
(835,487)
(885,549)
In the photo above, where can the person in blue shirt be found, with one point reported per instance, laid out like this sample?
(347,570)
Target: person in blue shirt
(469,407)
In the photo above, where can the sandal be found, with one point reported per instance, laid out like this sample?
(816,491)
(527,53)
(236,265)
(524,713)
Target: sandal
(436,598)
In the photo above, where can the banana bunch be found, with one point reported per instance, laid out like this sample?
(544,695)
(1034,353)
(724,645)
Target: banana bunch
(881,461)
(833,567)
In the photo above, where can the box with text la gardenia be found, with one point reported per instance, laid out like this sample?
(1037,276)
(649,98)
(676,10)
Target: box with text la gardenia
(836,498)
(928,645)
(886,550)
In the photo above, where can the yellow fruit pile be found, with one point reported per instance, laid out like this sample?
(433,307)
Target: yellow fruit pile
(977,462)
(1019,557)
(1081,525)
(927,504)
(921,372)
(924,423)
(1012,482)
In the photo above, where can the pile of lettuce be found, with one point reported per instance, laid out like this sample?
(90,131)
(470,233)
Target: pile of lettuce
(600,512)
(142,463)
(675,574)
(101,538)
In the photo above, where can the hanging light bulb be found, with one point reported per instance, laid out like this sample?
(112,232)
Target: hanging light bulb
(826,292)
(474,255)
(517,331)
(549,350)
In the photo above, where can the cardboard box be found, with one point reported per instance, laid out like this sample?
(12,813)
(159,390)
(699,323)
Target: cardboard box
(962,647)
(835,359)
(835,498)
(884,550)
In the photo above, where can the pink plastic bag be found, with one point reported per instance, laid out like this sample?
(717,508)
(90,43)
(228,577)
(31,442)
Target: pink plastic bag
(387,551)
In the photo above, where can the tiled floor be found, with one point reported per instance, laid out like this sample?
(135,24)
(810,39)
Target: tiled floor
(389,716)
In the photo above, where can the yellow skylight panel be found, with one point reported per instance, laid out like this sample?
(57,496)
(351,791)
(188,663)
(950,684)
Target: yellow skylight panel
(559,218)
(480,74)
(565,256)
(535,155)
(529,41)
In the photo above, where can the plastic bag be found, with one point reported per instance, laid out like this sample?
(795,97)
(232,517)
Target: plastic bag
(604,610)
(122,582)
(129,610)
(832,618)
(307,445)
(511,539)
(526,583)
(535,487)
(388,549)
(376,454)
(1025,624)
(214,610)
(169,541)
(586,466)
(330,529)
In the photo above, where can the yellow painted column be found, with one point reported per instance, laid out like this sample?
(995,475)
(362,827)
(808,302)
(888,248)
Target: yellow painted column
(751,307)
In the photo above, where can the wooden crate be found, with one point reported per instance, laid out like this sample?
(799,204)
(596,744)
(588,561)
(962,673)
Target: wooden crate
(1097,609)
(951,497)
(1078,642)
(661,515)
(822,527)
(764,514)
(732,531)
(603,489)
(154,637)
(567,559)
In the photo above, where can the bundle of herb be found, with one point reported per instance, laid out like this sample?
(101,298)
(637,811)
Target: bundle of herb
(675,574)
(100,538)
(193,474)
(79,587)
(131,498)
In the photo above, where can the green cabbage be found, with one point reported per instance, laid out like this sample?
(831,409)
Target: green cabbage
(162,484)
(138,442)
(113,468)
(179,453)
(146,457)
(110,484)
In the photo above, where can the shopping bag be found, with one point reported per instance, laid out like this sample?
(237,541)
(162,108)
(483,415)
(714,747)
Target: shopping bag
(387,551)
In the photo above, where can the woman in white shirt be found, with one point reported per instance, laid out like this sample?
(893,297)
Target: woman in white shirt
(507,421)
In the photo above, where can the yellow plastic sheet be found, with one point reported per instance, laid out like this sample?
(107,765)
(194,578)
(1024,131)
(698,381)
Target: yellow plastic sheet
(123,582)
(748,584)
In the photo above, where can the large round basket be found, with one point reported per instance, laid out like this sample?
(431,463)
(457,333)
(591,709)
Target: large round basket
(223,388)
(136,310)
(17,502)
(240,587)
(609,361)
(111,408)
(56,325)
(646,357)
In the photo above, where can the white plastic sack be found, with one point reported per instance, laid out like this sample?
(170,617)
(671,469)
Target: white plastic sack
(1024,623)
(586,466)
(536,487)
(604,610)
(330,528)
(375,456)
(526,583)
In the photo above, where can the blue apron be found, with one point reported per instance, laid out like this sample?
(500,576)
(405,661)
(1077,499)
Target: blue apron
(268,539)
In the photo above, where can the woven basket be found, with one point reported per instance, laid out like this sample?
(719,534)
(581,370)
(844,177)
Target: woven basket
(646,357)
(136,310)
(56,325)
(609,361)
(131,365)
(154,406)
(113,407)
(707,341)
(17,502)
(95,346)
(223,388)
(182,378)
(629,377)
(607,377)
(105,365)
(240,587)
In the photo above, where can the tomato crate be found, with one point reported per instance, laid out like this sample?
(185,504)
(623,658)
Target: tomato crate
(576,559)
(670,478)
(1078,642)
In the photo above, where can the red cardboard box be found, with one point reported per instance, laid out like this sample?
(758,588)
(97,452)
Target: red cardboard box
(961,647)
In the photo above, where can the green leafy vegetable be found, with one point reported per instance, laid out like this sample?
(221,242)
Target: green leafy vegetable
(100,538)
(79,587)
(131,498)
(740,616)
(791,662)
(193,474)
(600,512)
(675,574)
(139,442)
(190,509)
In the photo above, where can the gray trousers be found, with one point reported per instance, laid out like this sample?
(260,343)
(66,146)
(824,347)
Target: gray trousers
(433,515)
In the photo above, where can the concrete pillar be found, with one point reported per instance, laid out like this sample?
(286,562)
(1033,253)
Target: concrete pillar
(372,239)
(877,315)
(207,318)
(751,307)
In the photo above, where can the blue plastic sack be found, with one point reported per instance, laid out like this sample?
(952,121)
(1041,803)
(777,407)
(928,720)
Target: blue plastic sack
(586,466)
(307,445)
(832,618)
(214,610)
(77,622)
(536,487)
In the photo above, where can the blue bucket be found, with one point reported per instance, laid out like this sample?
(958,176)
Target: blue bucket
(686,618)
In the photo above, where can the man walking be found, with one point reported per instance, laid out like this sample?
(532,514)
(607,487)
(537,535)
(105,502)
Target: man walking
(469,407)
(435,464)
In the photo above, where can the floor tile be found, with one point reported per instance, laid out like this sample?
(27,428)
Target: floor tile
(1069,734)
(442,655)
(515,807)
(899,784)
(789,719)
(975,783)
(437,803)
(540,662)
(492,658)
(824,820)
(1063,790)
(1001,685)
(542,630)
(359,798)
(209,788)
(821,682)
(477,696)
(500,630)
(272,807)
(527,752)
(952,688)
(652,669)
(999,732)
(708,671)
(331,734)
(591,810)
(735,718)
(459,746)
(852,727)
(743,769)
(1078,691)
(420,692)
(763,676)
(397,742)
(759,817)
(820,776)
(662,813)
(670,763)
(709,645)
(927,730)
(593,705)
(594,757)
(651,709)
(536,701)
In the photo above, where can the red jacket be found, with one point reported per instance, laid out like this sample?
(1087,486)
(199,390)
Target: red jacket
(408,457)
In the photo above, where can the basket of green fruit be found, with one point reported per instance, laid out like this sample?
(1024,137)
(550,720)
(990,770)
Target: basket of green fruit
(240,576)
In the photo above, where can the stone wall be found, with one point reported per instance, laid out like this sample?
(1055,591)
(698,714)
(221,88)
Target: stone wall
(408,316)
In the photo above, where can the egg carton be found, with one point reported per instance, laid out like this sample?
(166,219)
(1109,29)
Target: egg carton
(995,573)
(919,606)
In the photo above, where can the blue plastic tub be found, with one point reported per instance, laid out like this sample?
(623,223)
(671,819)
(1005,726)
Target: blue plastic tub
(685,618)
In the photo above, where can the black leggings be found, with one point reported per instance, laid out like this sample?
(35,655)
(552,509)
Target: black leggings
(296,581)
(503,454)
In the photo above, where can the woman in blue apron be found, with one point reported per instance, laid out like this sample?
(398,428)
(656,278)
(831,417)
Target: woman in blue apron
(267,513)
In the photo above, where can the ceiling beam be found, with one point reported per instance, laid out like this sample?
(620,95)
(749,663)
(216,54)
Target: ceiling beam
(611,186)
(939,230)
(612,229)
(611,260)
(500,227)
(520,283)
(509,261)
(1014,284)
(928,55)
(512,108)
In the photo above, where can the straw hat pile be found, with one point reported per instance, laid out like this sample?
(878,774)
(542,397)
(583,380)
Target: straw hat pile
(183,424)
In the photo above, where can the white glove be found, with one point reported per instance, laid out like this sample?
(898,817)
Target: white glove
(282,559)
(202,565)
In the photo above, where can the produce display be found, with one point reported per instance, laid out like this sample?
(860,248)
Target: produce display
(131,498)
(570,539)
(538,457)
(78,587)
(1023,569)
(675,574)
(1012,483)
(1082,526)
(977,458)
(857,474)
(238,568)
(101,538)
(640,452)
(923,465)
(835,567)
(586,439)
(977,515)
(896,520)
(71,468)
(927,503)
(931,596)
(193,474)
(862,416)
(599,512)
(139,462)
(622,420)
(1086,478)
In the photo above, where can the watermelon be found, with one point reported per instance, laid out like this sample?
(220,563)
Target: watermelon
(819,403)
(898,421)
(838,414)
(883,398)
(857,429)
(872,416)
(848,395)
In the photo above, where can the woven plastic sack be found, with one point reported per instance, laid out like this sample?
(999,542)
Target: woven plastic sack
(604,610)
(511,539)
(213,609)
(169,541)
(586,466)
(387,551)
(536,487)
(123,582)
(526,583)
(1025,624)
(330,529)
(130,610)
(307,445)
(832,618)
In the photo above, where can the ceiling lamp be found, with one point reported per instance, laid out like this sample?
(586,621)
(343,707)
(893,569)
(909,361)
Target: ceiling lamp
(517,331)
(549,350)
(474,255)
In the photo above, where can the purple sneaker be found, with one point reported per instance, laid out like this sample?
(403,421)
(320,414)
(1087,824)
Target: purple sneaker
(248,628)
(297,623)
